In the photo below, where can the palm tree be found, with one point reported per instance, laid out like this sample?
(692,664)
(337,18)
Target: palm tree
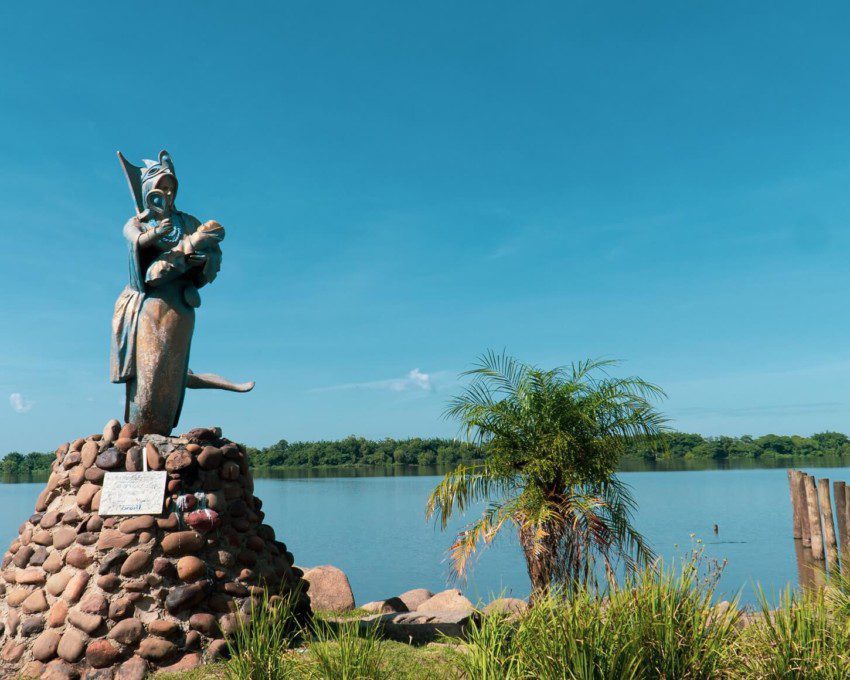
(551,440)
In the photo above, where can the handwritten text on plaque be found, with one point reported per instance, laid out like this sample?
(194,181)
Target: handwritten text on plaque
(132,493)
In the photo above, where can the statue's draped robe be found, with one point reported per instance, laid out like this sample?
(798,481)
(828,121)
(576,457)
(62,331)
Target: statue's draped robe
(129,308)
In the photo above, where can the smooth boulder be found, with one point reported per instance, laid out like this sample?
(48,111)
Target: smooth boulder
(329,589)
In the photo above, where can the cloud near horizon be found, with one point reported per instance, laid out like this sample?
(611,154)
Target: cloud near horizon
(415,380)
(19,404)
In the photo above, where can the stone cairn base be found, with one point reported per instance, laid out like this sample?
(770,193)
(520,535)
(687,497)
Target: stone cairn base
(118,597)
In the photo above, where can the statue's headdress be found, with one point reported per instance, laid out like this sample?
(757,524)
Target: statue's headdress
(144,179)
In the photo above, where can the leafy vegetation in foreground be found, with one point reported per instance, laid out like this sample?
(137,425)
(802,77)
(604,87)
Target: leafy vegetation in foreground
(661,623)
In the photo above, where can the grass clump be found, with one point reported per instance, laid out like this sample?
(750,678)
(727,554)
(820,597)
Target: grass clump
(806,637)
(659,624)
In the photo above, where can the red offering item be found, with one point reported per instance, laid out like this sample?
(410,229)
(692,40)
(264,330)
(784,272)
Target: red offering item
(203,521)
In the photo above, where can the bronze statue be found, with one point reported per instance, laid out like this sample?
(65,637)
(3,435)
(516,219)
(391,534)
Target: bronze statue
(172,255)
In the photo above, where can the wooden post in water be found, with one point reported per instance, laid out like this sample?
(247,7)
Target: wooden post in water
(847,523)
(830,543)
(804,511)
(814,517)
(795,505)
(839,490)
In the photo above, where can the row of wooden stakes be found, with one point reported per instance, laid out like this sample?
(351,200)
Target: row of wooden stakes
(814,520)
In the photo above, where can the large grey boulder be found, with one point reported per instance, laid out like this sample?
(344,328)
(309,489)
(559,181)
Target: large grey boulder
(422,626)
(329,589)
(413,598)
(448,600)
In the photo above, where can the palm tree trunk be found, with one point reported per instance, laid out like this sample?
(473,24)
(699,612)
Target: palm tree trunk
(541,558)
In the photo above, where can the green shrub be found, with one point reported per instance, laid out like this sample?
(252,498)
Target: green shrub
(346,650)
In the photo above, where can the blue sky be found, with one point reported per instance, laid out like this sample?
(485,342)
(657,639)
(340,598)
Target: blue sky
(406,185)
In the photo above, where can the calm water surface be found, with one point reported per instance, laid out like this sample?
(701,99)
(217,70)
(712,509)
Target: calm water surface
(373,527)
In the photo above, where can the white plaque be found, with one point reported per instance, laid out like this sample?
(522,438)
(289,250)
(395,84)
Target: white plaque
(132,493)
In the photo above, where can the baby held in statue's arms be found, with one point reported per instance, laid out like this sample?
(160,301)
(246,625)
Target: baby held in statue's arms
(203,242)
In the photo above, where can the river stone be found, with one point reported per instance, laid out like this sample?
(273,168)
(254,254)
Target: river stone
(39,557)
(163,628)
(109,459)
(179,461)
(94,603)
(16,596)
(124,445)
(230,471)
(77,476)
(44,537)
(13,620)
(112,560)
(76,586)
(58,612)
(86,494)
(35,603)
(32,625)
(72,645)
(111,431)
(185,596)
(22,557)
(44,647)
(121,608)
(136,524)
(89,454)
(102,653)
(182,543)
(447,600)
(78,557)
(53,563)
(329,589)
(56,584)
(169,523)
(134,668)
(210,458)
(153,456)
(112,538)
(133,462)
(164,567)
(128,431)
(50,519)
(108,582)
(85,622)
(156,649)
(95,475)
(94,523)
(135,563)
(190,568)
(30,577)
(203,521)
(73,458)
(127,632)
(206,624)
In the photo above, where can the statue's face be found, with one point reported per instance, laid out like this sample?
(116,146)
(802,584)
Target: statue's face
(169,188)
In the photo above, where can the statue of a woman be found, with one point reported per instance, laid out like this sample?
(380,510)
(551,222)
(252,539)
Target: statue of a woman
(172,255)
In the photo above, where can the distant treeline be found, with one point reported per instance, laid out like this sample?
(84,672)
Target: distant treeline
(684,445)
(15,463)
(360,451)
(448,452)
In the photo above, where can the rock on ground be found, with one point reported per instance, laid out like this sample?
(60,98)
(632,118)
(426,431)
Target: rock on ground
(448,600)
(329,589)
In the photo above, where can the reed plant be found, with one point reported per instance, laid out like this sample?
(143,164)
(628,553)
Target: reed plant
(346,650)
(807,636)
(658,624)
(259,647)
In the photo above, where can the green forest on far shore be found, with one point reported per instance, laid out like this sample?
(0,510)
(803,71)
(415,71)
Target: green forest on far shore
(353,451)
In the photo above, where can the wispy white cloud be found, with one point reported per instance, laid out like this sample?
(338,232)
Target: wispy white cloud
(414,381)
(19,404)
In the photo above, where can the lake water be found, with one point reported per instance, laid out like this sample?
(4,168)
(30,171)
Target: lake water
(373,527)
